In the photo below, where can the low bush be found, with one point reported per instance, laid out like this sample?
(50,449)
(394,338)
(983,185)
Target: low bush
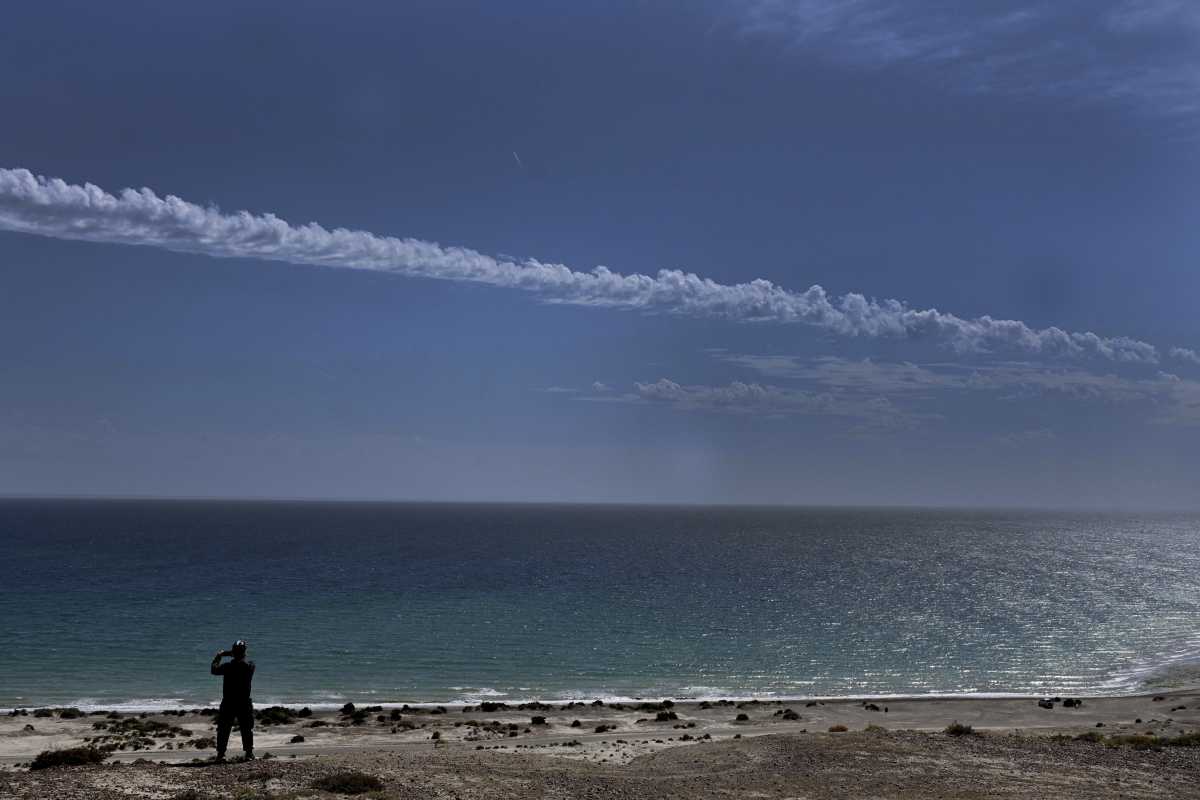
(349,782)
(956,728)
(275,715)
(71,757)
(838,729)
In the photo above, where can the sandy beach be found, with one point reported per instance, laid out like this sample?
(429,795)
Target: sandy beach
(889,748)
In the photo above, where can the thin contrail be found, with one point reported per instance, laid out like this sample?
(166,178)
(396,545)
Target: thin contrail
(51,207)
(520,163)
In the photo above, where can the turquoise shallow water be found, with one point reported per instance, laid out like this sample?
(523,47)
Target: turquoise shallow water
(107,603)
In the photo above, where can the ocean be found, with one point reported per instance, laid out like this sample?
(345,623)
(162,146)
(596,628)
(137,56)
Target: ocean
(121,604)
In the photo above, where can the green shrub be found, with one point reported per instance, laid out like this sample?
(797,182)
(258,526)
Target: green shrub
(349,782)
(71,757)
(1138,741)
(1148,741)
(1185,740)
(275,715)
(1090,736)
(956,728)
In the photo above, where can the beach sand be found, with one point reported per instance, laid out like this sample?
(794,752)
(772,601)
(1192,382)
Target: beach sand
(705,752)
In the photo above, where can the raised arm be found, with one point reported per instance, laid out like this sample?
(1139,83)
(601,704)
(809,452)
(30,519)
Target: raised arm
(217,668)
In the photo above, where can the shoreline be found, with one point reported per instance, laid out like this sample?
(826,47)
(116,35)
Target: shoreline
(325,704)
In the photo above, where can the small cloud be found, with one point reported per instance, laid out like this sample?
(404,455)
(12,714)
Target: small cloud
(1185,354)
(601,387)
(560,390)
(774,401)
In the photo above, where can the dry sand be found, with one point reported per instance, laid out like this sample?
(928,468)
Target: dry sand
(703,753)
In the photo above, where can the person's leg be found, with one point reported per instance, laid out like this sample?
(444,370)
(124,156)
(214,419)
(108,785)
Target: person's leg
(224,723)
(246,723)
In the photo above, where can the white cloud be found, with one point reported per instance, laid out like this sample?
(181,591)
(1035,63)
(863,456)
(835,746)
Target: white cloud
(51,207)
(1140,53)
(597,386)
(1185,354)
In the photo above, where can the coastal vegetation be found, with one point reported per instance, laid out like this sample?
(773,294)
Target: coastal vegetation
(348,782)
(69,757)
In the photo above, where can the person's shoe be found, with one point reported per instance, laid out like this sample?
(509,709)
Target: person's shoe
(250,755)
(219,758)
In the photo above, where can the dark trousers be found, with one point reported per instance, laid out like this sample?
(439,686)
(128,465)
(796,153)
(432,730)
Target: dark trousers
(243,712)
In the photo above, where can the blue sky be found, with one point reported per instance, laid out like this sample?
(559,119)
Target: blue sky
(996,200)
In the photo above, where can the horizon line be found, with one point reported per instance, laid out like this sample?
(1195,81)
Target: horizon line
(666,504)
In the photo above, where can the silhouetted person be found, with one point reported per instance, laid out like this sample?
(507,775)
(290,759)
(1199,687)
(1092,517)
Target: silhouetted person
(235,698)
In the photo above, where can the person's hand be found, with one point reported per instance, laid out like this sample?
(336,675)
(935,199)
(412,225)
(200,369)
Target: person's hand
(222,653)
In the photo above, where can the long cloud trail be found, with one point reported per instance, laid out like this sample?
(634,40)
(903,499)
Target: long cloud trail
(52,207)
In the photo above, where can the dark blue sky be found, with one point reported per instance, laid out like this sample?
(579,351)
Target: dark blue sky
(1031,162)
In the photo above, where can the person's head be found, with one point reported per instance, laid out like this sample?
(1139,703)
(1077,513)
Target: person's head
(239,649)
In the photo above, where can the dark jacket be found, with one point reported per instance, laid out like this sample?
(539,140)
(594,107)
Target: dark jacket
(238,675)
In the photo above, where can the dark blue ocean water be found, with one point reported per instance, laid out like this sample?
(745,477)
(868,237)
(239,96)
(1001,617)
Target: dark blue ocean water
(124,602)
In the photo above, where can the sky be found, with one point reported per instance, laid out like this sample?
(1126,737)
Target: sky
(768,251)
